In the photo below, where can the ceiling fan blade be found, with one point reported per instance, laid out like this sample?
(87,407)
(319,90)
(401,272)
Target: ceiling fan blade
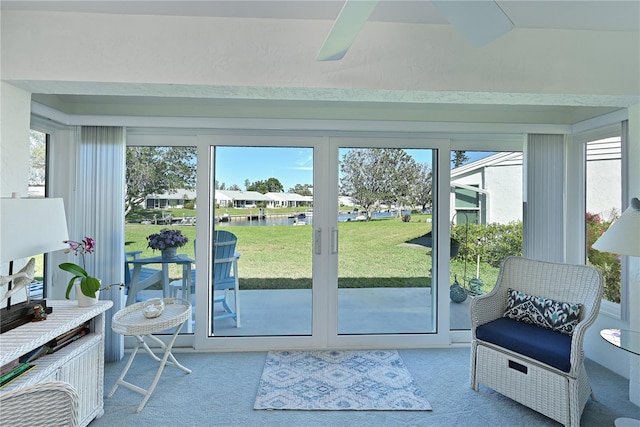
(479,21)
(346,27)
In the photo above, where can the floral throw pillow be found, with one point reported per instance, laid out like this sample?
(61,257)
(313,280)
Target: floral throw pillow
(547,313)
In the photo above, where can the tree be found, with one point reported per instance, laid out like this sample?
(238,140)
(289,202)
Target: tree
(377,175)
(234,187)
(38,155)
(158,170)
(400,173)
(459,159)
(302,189)
(271,185)
(421,190)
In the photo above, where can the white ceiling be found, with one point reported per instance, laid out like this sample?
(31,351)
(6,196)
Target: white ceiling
(574,14)
(605,15)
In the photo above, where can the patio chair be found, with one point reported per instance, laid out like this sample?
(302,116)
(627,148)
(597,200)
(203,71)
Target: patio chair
(52,403)
(528,333)
(225,276)
(148,276)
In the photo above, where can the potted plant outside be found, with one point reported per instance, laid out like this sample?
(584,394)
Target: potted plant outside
(167,241)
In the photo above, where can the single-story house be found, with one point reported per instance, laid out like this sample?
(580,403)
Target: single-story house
(175,199)
(489,190)
(288,200)
(240,199)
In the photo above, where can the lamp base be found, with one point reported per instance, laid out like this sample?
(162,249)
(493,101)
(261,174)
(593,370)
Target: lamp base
(19,314)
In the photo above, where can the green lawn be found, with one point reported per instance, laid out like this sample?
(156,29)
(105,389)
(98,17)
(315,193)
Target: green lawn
(371,254)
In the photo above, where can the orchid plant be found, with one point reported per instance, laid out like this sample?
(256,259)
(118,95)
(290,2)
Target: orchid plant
(88,284)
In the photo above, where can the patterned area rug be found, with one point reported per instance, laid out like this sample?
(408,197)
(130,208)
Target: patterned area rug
(338,380)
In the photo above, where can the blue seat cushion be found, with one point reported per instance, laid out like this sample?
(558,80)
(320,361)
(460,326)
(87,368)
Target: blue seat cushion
(544,345)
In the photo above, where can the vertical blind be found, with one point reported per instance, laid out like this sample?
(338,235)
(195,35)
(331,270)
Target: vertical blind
(99,213)
(544,207)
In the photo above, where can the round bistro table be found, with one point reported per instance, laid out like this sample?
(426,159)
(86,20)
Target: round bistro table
(628,341)
(131,321)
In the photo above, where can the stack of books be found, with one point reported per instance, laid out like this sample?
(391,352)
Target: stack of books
(13,370)
(67,338)
(22,365)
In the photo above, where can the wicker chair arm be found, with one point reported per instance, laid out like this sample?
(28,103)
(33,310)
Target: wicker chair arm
(53,403)
(487,307)
(577,340)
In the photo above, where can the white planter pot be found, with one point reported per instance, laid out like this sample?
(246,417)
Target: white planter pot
(170,253)
(83,300)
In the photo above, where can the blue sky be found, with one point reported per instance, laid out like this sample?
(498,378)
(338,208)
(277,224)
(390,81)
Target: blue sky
(291,166)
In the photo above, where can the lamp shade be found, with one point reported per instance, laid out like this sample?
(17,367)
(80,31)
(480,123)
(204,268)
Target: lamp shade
(30,227)
(623,236)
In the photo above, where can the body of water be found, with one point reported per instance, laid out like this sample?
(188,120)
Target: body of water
(305,219)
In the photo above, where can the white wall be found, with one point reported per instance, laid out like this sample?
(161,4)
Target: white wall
(15,114)
(603,188)
(14,155)
(505,201)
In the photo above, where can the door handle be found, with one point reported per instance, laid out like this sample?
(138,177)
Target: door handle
(317,244)
(334,240)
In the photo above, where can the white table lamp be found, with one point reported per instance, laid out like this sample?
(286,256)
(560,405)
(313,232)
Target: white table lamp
(623,236)
(29,227)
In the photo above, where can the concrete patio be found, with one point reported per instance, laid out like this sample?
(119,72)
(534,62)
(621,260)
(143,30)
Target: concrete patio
(360,311)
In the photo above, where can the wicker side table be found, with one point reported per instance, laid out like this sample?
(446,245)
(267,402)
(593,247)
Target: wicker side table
(131,321)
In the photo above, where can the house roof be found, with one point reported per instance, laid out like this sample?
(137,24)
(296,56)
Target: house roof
(177,195)
(502,158)
(288,197)
(243,195)
(607,148)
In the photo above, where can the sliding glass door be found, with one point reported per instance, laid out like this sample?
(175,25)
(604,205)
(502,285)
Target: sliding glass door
(263,198)
(384,238)
(306,242)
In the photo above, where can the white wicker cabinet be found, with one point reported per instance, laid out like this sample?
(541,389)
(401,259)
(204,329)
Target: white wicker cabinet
(81,363)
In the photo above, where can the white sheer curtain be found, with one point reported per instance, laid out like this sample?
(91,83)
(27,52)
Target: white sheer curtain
(99,213)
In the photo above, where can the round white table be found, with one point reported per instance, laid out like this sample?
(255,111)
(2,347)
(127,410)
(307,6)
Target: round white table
(131,321)
(628,341)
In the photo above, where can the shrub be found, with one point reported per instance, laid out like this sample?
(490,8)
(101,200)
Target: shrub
(608,263)
(492,242)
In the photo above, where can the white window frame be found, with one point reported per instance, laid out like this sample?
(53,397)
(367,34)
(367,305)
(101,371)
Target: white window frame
(593,130)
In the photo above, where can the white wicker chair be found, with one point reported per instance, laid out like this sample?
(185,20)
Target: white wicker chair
(557,394)
(53,403)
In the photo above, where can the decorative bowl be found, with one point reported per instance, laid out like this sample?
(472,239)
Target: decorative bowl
(153,308)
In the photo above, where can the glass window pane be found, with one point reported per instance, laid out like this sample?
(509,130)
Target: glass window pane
(486,202)
(37,186)
(264,199)
(160,194)
(603,200)
(385,251)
